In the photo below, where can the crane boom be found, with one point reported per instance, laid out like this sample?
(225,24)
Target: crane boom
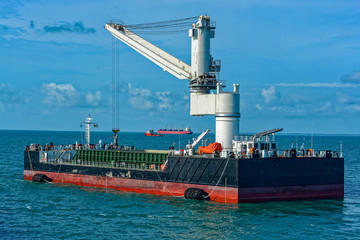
(202,75)
(201,136)
(163,59)
(275,130)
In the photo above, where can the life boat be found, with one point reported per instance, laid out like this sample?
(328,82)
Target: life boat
(211,148)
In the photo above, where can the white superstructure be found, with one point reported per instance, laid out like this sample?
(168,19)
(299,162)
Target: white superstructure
(262,144)
(202,75)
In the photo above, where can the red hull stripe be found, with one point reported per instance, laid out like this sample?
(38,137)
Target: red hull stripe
(218,194)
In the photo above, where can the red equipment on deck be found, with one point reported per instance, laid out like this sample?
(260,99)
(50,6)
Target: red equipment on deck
(211,148)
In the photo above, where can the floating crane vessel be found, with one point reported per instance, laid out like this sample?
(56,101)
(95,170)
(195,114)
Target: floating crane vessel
(233,169)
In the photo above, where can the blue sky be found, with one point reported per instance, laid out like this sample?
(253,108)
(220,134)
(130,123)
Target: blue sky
(297,63)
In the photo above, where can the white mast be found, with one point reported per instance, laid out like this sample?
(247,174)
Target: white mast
(87,123)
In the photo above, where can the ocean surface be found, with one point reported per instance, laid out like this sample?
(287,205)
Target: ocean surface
(31,210)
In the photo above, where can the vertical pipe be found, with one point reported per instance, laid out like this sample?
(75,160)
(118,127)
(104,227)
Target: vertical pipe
(341,152)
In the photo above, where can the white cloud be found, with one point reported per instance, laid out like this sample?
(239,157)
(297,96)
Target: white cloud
(60,94)
(350,103)
(347,99)
(187,106)
(354,77)
(142,92)
(10,95)
(141,103)
(140,98)
(145,99)
(11,98)
(326,106)
(93,99)
(355,107)
(164,100)
(27,28)
(269,94)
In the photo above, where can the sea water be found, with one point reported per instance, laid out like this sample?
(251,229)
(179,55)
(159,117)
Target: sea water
(30,210)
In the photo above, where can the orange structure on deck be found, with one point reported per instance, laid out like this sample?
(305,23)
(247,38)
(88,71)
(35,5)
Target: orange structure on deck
(211,148)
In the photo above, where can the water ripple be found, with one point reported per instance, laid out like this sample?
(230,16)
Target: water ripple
(56,211)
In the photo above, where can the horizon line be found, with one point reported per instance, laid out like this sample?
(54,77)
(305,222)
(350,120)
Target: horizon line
(244,133)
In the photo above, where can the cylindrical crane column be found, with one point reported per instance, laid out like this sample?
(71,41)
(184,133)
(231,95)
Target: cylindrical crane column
(226,129)
(227,116)
(200,46)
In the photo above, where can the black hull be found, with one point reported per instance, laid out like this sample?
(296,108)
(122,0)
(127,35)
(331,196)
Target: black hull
(270,176)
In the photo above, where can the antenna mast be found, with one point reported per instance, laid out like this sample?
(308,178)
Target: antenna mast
(87,123)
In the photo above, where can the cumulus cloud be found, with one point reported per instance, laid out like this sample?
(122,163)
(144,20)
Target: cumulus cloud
(350,103)
(32,30)
(258,106)
(145,99)
(60,27)
(326,106)
(11,98)
(60,94)
(142,92)
(187,106)
(353,77)
(355,107)
(66,95)
(141,103)
(269,94)
(329,101)
(93,99)
(10,95)
(164,100)
(344,98)
(140,98)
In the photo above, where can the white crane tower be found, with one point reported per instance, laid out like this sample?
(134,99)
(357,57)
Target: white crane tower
(202,76)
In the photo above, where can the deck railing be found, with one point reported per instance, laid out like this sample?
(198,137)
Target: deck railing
(132,159)
(290,153)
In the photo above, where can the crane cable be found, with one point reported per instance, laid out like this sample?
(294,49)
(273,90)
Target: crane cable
(115,84)
(175,22)
(163,27)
